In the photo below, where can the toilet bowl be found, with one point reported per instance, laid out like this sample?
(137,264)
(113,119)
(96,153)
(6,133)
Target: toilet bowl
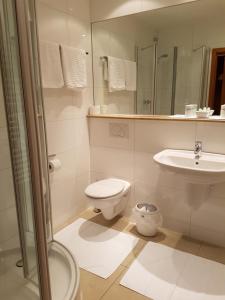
(109,195)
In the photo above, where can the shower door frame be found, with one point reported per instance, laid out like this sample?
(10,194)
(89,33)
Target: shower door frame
(33,111)
(152,105)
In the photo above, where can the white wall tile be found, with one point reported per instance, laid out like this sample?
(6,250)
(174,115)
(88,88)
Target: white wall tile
(191,209)
(155,4)
(12,243)
(112,162)
(145,169)
(56,4)
(212,137)
(207,235)
(61,136)
(4,149)
(100,134)
(52,24)
(67,22)
(81,182)
(79,33)
(101,10)
(8,217)
(63,104)
(210,214)
(8,220)
(80,9)
(177,225)
(63,191)
(154,136)
(7,189)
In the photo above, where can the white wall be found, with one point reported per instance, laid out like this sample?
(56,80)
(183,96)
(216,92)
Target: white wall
(67,22)
(8,217)
(185,208)
(102,9)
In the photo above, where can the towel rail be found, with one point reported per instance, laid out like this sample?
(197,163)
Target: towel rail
(103,57)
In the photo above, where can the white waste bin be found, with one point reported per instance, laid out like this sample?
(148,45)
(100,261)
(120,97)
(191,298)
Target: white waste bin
(148,218)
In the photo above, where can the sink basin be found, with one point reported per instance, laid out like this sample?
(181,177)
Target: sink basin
(209,169)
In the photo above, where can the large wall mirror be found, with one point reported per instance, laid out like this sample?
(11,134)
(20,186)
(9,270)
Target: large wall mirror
(159,61)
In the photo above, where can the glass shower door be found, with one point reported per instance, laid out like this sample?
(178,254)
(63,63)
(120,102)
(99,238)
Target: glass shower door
(18,252)
(49,270)
(24,161)
(146,79)
(165,81)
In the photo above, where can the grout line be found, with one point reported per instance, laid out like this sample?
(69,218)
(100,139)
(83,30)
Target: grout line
(114,281)
(180,275)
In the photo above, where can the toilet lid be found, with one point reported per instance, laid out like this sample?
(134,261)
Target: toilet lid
(105,188)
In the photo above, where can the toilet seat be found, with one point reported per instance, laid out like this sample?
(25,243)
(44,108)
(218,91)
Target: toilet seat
(106,188)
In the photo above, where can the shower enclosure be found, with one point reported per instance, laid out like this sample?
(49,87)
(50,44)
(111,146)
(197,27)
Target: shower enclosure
(32,264)
(169,78)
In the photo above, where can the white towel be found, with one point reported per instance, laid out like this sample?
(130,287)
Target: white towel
(116,74)
(74,67)
(51,67)
(131,75)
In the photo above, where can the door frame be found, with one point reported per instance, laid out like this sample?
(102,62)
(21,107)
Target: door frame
(214,63)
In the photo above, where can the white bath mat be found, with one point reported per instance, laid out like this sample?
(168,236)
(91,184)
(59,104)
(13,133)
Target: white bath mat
(163,273)
(98,249)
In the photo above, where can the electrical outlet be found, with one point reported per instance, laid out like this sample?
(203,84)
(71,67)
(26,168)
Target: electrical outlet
(119,130)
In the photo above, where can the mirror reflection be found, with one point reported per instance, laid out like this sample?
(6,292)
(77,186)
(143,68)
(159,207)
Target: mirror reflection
(168,61)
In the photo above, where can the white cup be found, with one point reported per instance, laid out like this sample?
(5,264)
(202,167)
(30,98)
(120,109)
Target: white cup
(190,110)
(222,111)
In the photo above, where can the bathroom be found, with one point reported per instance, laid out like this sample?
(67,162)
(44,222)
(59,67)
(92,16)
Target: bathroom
(77,164)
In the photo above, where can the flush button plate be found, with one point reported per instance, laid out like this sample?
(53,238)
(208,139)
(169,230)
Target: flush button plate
(119,130)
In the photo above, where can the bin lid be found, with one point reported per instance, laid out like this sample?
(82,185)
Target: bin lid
(147,208)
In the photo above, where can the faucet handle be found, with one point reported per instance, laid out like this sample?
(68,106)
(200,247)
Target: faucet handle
(198,147)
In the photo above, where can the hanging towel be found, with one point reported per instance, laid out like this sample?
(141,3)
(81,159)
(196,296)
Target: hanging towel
(51,68)
(131,75)
(116,74)
(74,67)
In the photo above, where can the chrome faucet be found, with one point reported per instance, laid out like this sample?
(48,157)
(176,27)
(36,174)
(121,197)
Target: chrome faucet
(198,149)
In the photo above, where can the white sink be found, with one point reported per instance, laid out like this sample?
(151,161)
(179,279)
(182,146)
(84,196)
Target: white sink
(209,169)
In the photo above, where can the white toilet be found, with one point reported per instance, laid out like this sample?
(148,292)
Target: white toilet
(109,195)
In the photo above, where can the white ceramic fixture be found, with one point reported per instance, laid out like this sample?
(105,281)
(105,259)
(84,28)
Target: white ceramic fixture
(148,218)
(109,195)
(208,168)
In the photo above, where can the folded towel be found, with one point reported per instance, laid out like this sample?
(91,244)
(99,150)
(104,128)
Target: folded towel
(74,67)
(131,75)
(51,67)
(116,74)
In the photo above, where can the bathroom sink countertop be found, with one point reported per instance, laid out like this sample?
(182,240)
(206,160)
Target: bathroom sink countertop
(155,117)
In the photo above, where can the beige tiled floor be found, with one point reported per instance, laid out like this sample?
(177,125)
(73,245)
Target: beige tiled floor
(96,288)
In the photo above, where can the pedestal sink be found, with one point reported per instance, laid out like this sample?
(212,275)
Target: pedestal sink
(208,169)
